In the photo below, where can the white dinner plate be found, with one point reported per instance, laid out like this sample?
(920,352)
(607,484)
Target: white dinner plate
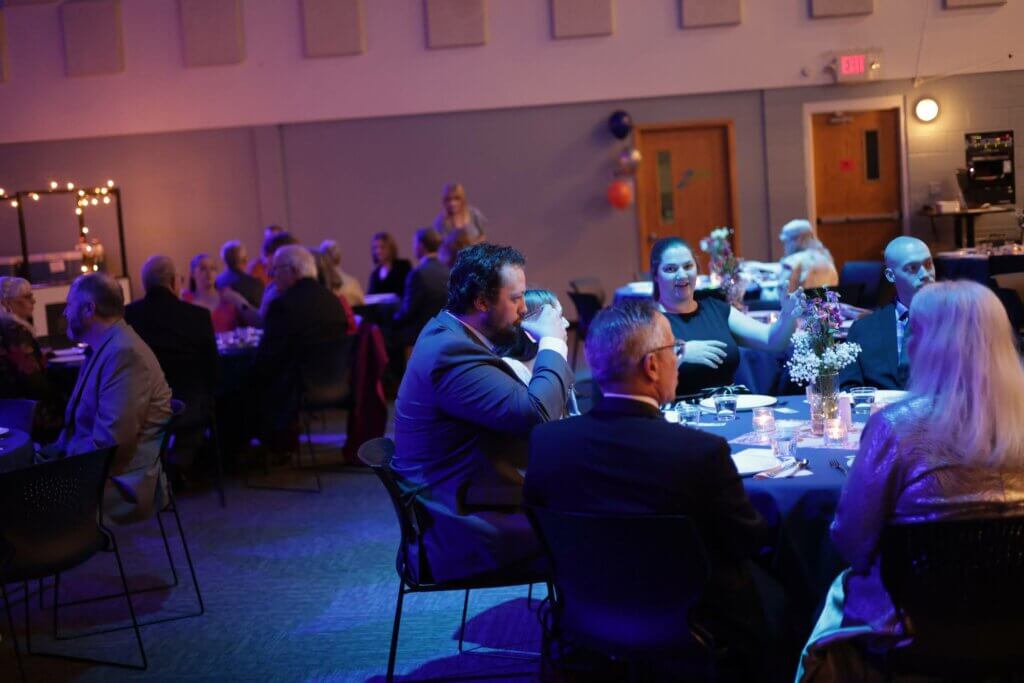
(80,358)
(745,401)
(890,395)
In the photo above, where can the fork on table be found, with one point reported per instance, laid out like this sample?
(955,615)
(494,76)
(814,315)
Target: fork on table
(835,464)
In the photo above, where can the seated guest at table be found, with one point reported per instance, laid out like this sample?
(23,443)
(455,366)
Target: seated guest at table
(22,364)
(883,360)
(711,327)
(270,247)
(462,417)
(348,287)
(228,308)
(426,289)
(235,258)
(457,214)
(303,314)
(120,399)
(953,450)
(522,352)
(389,271)
(623,457)
(451,245)
(327,276)
(182,338)
(260,268)
(806,262)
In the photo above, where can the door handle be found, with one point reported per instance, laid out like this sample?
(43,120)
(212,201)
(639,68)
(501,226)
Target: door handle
(863,218)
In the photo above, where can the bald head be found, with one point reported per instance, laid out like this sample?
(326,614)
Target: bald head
(909,266)
(158,271)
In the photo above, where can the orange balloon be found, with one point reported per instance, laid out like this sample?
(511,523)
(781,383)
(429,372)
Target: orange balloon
(620,194)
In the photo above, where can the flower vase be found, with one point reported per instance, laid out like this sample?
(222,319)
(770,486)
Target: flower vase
(824,400)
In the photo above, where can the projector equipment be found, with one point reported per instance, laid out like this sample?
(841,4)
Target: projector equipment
(990,174)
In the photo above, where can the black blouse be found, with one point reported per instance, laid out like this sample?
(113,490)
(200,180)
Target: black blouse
(394,283)
(709,321)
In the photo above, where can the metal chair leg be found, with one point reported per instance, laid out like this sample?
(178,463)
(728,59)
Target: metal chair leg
(128,599)
(392,655)
(462,627)
(188,555)
(218,455)
(167,547)
(14,635)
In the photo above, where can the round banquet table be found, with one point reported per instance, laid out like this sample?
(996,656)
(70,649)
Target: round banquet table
(800,509)
(16,450)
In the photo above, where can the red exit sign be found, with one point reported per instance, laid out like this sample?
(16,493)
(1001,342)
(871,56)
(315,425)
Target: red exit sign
(852,65)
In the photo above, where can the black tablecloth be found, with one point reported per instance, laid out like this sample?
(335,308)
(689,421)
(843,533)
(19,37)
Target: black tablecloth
(801,510)
(976,268)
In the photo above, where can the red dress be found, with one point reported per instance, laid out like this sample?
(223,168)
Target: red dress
(226,316)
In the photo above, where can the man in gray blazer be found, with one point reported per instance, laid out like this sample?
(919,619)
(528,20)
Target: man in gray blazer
(120,398)
(463,418)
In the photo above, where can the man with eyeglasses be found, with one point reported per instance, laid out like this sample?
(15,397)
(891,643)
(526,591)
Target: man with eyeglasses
(623,457)
(882,336)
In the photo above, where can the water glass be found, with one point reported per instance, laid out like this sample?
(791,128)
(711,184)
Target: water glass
(862,398)
(764,420)
(671,415)
(784,444)
(725,406)
(689,413)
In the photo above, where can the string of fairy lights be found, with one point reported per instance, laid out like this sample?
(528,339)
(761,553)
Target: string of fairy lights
(89,247)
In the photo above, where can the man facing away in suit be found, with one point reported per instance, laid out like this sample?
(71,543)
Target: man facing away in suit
(426,289)
(236,258)
(182,339)
(623,457)
(120,398)
(462,419)
(882,336)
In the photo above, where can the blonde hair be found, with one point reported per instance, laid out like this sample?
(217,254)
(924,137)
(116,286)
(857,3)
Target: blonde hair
(964,361)
(12,287)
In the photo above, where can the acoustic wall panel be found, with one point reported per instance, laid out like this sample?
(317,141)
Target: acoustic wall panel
(957,4)
(93,42)
(840,8)
(582,18)
(3,48)
(456,23)
(333,28)
(700,13)
(212,32)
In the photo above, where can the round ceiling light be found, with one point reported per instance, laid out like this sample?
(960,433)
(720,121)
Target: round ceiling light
(926,109)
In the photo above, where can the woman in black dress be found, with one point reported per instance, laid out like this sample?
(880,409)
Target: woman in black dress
(389,271)
(711,327)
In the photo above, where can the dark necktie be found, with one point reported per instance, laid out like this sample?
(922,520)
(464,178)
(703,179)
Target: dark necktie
(902,367)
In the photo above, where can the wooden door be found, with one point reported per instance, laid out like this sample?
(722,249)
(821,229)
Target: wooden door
(857,193)
(685,184)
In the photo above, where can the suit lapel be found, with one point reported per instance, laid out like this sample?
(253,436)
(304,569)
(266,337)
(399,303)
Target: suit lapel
(888,337)
(459,329)
(83,377)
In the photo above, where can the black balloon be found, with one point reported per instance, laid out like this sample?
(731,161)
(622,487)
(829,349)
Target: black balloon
(620,123)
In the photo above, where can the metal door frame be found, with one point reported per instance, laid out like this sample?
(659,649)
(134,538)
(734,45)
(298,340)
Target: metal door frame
(897,102)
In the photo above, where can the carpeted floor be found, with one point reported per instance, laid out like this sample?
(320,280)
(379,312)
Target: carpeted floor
(298,587)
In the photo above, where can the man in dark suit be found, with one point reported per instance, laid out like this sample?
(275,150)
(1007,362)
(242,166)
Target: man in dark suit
(462,418)
(882,335)
(426,289)
(624,457)
(303,314)
(235,259)
(181,336)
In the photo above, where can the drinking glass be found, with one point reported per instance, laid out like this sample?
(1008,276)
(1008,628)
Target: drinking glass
(670,414)
(862,398)
(689,413)
(764,420)
(725,406)
(783,443)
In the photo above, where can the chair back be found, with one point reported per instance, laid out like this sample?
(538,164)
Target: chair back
(587,307)
(863,280)
(625,585)
(377,455)
(17,413)
(325,373)
(589,285)
(178,408)
(49,515)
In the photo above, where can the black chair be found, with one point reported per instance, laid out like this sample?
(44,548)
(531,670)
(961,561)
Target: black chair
(587,307)
(324,381)
(18,413)
(49,523)
(170,507)
(625,586)
(377,454)
(860,283)
(957,587)
(589,285)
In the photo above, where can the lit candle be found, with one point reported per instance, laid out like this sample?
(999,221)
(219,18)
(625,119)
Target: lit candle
(764,420)
(835,431)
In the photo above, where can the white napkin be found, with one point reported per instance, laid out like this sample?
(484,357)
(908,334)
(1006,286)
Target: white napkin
(754,460)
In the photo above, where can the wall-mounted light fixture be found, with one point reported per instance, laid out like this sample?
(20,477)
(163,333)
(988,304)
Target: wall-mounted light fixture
(926,110)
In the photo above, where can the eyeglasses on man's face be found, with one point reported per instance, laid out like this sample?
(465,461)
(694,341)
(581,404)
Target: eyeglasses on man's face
(677,347)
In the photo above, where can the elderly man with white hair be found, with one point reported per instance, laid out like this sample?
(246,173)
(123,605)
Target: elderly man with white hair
(304,314)
(806,262)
